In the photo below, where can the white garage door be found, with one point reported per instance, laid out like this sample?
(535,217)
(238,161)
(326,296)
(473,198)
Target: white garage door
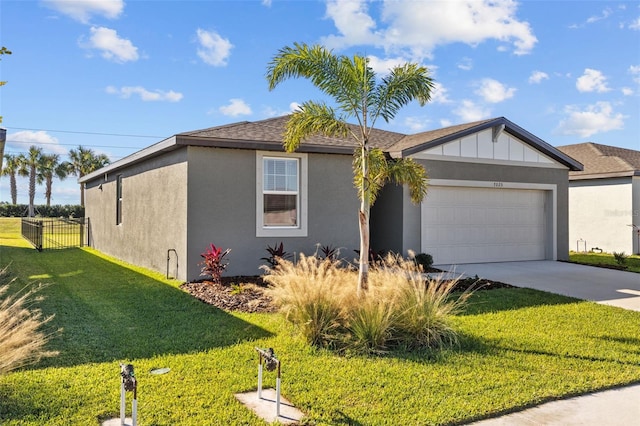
(473,225)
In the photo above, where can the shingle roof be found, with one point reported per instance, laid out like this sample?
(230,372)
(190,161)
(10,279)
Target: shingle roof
(267,135)
(249,134)
(602,161)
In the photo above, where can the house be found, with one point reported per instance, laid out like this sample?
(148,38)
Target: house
(497,193)
(604,198)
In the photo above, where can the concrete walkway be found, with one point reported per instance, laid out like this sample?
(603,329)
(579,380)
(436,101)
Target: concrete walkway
(615,407)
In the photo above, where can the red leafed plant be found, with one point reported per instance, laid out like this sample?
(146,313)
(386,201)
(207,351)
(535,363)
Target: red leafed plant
(213,264)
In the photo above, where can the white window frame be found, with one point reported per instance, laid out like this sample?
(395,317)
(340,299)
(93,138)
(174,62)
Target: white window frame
(300,230)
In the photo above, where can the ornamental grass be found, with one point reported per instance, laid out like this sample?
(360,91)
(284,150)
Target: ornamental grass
(403,307)
(21,340)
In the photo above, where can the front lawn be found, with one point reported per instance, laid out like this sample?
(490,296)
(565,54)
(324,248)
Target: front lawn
(519,347)
(605,259)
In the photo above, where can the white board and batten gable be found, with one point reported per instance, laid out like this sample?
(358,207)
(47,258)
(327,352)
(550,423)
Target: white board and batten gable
(492,146)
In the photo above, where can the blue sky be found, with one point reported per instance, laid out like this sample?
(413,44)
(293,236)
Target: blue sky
(117,76)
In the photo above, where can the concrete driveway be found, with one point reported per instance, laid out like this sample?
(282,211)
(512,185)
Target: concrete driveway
(606,286)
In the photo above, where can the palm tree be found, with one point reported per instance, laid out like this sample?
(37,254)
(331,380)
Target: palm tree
(84,161)
(352,84)
(10,169)
(50,166)
(29,165)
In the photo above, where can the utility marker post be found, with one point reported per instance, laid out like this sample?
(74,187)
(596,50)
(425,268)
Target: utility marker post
(128,384)
(271,362)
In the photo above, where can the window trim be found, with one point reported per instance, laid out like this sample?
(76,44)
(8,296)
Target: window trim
(282,231)
(118,199)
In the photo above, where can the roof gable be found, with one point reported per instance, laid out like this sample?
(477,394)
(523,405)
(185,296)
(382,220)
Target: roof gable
(496,139)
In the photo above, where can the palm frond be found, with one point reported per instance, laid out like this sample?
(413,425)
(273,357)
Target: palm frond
(406,171)
(404,84)
(311,119)
(369,186)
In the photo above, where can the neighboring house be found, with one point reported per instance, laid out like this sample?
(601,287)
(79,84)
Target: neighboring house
(497,193)
(604,198)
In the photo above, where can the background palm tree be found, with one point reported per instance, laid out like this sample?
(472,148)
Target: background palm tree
(84,161)
(10,169)
(352,84)
(29,165)
(50,166)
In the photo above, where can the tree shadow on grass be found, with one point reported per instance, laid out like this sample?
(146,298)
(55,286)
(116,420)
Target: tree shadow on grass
(106,312)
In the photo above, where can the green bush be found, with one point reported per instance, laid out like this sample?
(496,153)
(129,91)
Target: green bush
(621,258)
(425,260)
(20,210)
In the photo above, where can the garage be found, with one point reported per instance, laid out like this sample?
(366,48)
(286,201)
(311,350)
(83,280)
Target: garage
(484,224)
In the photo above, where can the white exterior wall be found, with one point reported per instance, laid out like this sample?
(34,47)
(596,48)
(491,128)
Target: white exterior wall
(600,212)
(636,213)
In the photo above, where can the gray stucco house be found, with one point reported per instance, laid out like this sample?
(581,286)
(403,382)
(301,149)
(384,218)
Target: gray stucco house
(604,198)
(497,193)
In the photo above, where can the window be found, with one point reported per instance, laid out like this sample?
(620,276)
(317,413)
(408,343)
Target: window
(119,200)
(281,199)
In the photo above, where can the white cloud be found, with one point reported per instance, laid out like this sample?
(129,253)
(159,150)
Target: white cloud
(383,66)
(235,108)
(213,50)
(627,91)
(592,81)
(465,64)
(144,94)
(439,94)
(20,141)
(469,111)
(113,47)
(596,118)
(294,106)
(83,10)
(445,122)
(605,14)
(416,124)
(536,77)
(352,20)
(418,27)
(493,91)
(266,3)
(635,25)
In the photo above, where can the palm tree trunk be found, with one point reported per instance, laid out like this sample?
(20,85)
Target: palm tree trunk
(47,191)
(14,189)
(363,221)
(32,191)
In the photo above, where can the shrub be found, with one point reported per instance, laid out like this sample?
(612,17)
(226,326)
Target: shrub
(21,341)
(275,253)
(402,308)
(20,210)
(424,260)
(621,258)
(213,264)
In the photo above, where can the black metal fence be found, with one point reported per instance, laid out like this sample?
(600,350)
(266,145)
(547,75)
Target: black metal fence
(61,233)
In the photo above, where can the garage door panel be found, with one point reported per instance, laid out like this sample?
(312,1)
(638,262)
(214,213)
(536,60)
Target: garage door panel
(467,225)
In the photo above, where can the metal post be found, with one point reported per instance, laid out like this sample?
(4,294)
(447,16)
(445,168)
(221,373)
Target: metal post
(278,392)
(122,403)
(134,405)
(260,378)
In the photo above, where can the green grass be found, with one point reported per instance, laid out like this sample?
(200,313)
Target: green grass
(632,262)
(518,347)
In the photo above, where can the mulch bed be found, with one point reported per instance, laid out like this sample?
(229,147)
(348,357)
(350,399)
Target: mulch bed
(246,293)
